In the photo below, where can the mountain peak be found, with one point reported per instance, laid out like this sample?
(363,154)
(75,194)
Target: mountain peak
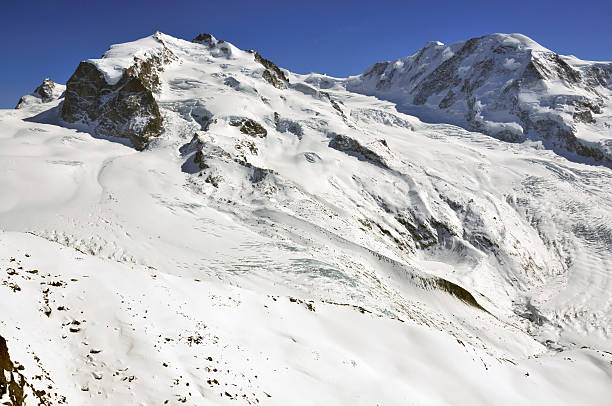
(515,40)
(46,92)
(206,39)
(289,228)
(433,44)
(505,85)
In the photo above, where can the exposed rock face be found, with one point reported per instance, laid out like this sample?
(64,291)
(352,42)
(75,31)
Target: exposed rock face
(14,388)
(284,125)
(353,147)
(125,109)
(147,70)
(46,90)
(505,85)
(205,39)
(250,127)
(218,47)
(45,93)
(257,174)
(272,74)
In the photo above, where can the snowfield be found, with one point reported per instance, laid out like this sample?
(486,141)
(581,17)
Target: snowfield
(288,241)
(110,337)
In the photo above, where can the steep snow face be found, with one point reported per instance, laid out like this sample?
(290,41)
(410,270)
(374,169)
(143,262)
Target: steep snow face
(335,215)
(505,85)
(120,57)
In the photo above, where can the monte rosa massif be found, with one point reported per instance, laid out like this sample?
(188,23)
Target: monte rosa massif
(185,222)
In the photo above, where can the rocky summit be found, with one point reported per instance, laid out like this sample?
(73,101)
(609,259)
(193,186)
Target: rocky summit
(187,222)
(47,91)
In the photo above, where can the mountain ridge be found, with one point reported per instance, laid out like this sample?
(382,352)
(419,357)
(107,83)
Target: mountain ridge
(226,108)
(517,90)
(278,227)
(505,85)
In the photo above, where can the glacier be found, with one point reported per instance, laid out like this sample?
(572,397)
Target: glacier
(187,223)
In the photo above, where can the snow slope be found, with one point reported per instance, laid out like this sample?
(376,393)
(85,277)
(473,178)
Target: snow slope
(319,246)
(109,338)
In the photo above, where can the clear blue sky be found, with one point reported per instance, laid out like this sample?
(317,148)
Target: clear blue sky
(340,38)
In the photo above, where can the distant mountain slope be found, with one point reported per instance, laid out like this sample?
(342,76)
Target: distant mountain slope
(48,91)
(505,85)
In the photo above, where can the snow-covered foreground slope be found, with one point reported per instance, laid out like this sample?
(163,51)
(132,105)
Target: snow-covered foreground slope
(91,331)
(317,245)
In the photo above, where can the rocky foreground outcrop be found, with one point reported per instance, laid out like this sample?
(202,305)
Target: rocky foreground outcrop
(505,85)
(14,387)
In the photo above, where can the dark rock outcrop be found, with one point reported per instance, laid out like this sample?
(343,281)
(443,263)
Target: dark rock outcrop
(126,109)
(455,290)
(249,127)
(14,387)
(272,74)
(218,48)
(353,147)
(284,125)
(204,39)
(45,90)
(257,174)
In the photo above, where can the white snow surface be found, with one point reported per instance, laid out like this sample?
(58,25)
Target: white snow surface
(287,270)
(121,56)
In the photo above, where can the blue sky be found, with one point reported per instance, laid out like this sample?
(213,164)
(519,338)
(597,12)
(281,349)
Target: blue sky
(49,38)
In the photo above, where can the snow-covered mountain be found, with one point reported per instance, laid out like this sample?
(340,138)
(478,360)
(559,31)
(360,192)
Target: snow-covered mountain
(507,86)
(186,222)
(47,92)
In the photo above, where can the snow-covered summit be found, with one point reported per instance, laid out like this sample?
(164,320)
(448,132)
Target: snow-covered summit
(505,85)
(119,94)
